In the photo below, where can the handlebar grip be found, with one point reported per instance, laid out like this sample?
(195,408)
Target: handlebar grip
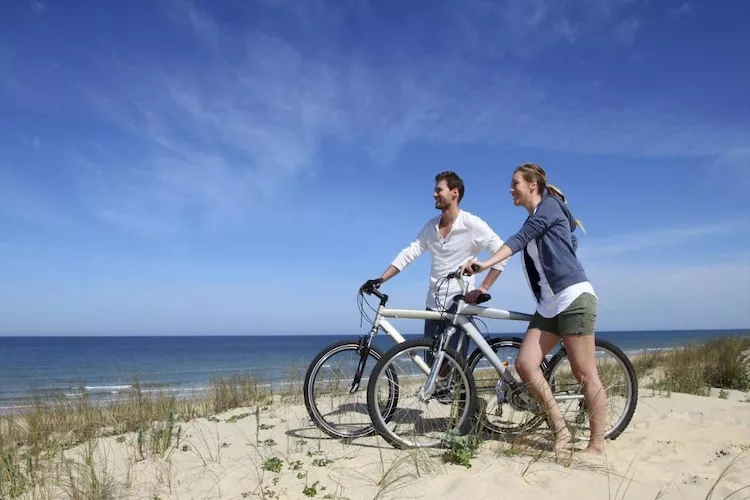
(475,267)
(485,297)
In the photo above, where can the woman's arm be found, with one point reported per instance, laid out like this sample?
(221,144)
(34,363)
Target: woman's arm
(547,214)
(496,257)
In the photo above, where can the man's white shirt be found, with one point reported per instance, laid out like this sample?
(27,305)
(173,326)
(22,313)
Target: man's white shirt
(468,236)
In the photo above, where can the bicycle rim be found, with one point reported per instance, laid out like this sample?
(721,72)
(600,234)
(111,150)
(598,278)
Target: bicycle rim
(416,423)
(330,404)
(620,384)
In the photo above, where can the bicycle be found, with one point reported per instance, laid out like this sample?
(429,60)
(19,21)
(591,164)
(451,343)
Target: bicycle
(464,408)
(329,372)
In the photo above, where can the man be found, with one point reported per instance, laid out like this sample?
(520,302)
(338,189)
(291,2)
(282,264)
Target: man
(452,238)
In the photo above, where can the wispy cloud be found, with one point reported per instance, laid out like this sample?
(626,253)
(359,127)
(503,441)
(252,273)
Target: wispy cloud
(24,203)
(705,294)
(517,28)
(522,28)
(219,144)
(209,141)
(627,30)
(683,10)
(733,167)
(595,249)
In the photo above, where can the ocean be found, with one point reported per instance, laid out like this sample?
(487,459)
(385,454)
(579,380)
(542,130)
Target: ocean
(107,366)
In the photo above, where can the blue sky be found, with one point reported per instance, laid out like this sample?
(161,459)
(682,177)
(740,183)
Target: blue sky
(242,167)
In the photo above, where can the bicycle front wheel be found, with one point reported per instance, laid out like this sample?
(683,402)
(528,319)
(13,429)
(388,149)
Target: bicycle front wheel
(334,402)
(618,379)
(418,421)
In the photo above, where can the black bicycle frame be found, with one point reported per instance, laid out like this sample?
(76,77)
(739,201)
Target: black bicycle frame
(364,348)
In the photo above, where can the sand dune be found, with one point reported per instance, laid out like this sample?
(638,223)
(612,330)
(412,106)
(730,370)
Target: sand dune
(675,448)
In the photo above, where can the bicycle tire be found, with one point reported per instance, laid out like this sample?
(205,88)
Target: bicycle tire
(474,358)
(624,421)
(379,421)
(309,389)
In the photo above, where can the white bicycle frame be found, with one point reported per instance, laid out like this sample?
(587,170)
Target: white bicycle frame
(460,319)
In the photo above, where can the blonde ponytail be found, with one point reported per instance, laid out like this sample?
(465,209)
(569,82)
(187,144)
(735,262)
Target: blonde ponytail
(534,173)
(555,191)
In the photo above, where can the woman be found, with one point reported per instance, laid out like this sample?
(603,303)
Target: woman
(566,300)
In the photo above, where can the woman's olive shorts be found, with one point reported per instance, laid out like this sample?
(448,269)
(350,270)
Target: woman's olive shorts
(579,318)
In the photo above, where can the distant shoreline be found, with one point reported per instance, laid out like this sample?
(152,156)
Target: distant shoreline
(743,330)
(107,367)
(107,394)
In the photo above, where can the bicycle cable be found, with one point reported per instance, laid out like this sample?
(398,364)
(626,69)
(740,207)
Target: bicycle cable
(441,305)
(361,301)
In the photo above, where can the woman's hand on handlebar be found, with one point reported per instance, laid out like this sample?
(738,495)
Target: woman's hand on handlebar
(474,267)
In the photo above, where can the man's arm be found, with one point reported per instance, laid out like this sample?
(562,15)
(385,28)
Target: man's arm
(489,241)
(406,256)
(486,239)
(489,280)
(389,273)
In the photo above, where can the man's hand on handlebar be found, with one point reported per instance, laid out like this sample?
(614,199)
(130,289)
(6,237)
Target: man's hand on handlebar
(474,295)
(371,285)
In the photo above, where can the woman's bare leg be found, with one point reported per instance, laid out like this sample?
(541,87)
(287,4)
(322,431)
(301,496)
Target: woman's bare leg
(580,349)
(536,345)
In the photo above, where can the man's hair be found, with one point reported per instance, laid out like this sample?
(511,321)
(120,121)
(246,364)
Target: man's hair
(453,181)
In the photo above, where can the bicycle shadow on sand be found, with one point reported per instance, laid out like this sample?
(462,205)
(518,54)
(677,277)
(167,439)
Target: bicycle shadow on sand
(313,432)
(531,443)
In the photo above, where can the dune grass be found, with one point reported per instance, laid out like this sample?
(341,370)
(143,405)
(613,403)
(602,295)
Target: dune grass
(722,363)
(35,442)
(31,440)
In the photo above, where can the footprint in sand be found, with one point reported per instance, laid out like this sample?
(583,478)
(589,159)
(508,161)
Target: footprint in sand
(680,416)
(697,417)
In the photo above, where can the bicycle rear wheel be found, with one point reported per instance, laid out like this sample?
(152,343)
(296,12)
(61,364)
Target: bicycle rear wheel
(416,422)
(620,386)
(503,411)
(331,403)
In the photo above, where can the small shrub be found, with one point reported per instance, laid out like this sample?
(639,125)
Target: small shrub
(462,449)
(273,464)
(311,491)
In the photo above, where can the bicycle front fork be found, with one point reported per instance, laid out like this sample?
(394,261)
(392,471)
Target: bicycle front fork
(364,352)
(426,391)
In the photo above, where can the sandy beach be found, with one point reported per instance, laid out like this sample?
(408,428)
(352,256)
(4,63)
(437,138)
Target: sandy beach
(678,446)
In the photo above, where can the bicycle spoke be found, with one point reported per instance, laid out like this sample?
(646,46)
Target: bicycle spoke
(332,405)
(501,409)
(618,381)
(416,421)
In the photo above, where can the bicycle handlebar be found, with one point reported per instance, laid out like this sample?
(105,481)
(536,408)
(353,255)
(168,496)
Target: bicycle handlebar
(459,273)
(370,287)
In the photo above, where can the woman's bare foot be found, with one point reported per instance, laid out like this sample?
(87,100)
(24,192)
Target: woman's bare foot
(563,443)
(593,450)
